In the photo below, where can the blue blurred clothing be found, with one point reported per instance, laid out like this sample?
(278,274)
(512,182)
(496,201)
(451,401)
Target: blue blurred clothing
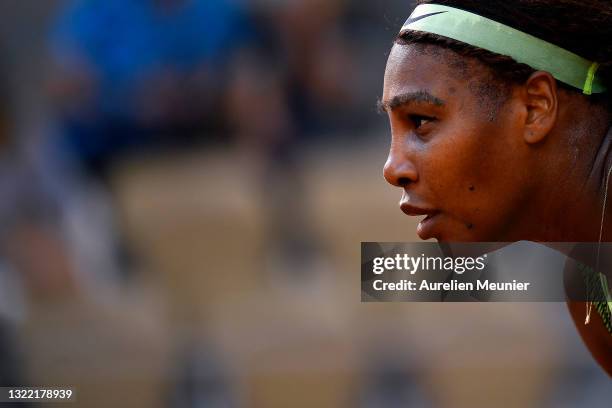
(125,40)
(124,46)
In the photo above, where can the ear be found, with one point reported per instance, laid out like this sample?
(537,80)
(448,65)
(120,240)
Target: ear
(542,104)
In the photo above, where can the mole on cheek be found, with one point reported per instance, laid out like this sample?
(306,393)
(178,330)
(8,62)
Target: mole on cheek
(470,226)
(472,188)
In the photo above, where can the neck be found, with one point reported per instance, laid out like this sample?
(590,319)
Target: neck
(580,209)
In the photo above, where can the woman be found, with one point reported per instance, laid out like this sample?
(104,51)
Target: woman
(501,119)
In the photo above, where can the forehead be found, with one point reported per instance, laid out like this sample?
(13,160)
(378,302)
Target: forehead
(416,67)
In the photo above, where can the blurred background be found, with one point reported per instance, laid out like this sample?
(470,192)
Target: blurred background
(185,185)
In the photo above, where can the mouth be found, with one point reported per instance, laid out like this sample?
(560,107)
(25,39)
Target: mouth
(424,229)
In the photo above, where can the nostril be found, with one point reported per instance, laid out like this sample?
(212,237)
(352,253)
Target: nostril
(403,181)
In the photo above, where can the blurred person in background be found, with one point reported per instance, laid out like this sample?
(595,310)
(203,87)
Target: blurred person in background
(135,77)
(287,93)
(132,75)
(34,261)
(311,41)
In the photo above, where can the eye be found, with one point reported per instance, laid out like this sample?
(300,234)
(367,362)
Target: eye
(419,120)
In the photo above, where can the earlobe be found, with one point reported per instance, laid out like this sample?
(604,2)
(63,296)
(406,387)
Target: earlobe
(541,101)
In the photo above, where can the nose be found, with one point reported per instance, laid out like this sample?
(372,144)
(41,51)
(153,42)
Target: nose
(399,170)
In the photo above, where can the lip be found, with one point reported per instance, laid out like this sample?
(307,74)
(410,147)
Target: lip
(414,211)
(425,229)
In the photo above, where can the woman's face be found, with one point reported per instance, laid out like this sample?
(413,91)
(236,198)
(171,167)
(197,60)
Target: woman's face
(457,149)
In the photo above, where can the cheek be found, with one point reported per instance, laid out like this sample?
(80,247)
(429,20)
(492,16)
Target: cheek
(470,177)
(453,163)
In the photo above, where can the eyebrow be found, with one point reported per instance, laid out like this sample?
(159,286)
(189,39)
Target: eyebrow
(408,98)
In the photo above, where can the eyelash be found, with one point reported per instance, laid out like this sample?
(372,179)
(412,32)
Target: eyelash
(415,119)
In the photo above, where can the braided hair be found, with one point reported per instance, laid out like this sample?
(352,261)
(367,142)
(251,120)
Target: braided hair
(583,27)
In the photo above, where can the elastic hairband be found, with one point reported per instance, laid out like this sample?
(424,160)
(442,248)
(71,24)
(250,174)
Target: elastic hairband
(498,38)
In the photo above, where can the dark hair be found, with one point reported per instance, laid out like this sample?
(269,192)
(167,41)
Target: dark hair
(581,26)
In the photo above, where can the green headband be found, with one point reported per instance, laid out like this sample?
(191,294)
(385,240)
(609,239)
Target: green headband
(492,36)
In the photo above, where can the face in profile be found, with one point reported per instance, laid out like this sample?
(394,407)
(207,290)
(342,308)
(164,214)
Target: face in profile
(457,151)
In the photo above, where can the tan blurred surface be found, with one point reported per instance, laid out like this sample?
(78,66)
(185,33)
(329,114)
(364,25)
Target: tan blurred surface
(111,355)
